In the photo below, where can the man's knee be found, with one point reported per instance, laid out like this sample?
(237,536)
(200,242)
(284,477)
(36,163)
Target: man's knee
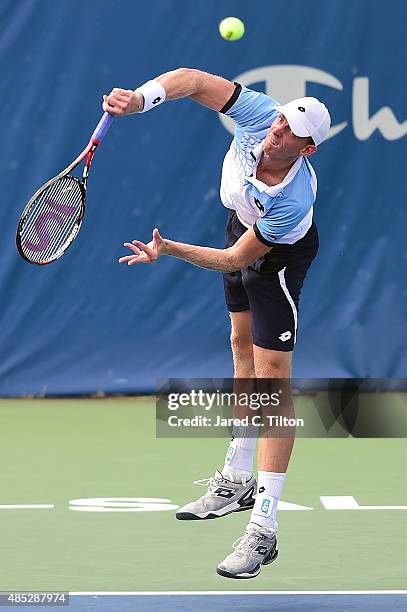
(241,343)
(272,364)
(241,339)
(271,370)
(242,349)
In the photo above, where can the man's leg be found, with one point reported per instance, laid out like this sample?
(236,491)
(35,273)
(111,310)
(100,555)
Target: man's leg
(273,287)
(239,457)
(233,488)
(274,453)
(258,545)
(274,450)
(241,342)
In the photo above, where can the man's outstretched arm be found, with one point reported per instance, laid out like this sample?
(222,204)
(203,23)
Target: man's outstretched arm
(244,252)
(207,89)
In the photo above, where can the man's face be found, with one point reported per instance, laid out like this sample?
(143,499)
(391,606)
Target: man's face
(282,143)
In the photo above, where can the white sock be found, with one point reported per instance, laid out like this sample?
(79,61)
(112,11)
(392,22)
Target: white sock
(239,457)
(269,487)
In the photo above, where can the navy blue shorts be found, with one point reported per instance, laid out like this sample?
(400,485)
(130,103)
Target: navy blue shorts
(270,287)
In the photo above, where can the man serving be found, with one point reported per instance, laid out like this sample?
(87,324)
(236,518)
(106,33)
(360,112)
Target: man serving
(269,187)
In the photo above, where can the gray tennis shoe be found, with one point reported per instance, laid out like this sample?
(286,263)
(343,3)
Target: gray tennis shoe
(256,547)
(222,497)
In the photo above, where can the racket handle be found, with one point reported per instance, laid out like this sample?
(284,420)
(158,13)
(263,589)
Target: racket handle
(101,128)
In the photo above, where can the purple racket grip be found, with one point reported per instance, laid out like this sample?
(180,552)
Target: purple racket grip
(102,127)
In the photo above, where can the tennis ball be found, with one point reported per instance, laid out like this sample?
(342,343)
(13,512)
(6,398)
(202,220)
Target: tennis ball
(231,28)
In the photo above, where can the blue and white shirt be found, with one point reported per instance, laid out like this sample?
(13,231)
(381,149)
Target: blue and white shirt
(281,213)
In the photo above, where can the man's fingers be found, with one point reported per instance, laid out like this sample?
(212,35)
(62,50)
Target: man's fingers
(125,258)
(131,246)
(111,106)
(134,259)
(121,92)
(156,238)
(117,103)
(144,248)
(120,100)
(109,100)
(141,253)
(142,258)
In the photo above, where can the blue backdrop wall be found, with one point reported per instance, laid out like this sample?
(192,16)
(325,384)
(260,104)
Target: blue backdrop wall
(86,324)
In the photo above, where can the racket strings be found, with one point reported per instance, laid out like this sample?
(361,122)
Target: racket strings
(56,204)
(49,206)
(71,210)
(52,219)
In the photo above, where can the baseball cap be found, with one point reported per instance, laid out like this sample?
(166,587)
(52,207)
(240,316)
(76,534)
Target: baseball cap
(307,117)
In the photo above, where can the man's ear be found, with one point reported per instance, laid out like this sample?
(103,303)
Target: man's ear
(308,150)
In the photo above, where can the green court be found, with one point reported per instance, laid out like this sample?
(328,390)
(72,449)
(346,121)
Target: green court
(54,451)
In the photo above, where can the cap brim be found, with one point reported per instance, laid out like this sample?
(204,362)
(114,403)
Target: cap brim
(296,126)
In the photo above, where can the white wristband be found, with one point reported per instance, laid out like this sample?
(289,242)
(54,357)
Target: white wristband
(153,93)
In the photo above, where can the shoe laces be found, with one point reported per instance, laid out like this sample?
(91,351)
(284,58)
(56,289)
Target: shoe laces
(212,483)
(204,482)
(248,540)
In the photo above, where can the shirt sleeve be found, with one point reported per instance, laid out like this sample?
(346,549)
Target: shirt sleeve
(249,107)
(280,220)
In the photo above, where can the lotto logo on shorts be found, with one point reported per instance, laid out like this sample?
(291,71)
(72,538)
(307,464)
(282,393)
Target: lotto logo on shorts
(285,336)
(265,505)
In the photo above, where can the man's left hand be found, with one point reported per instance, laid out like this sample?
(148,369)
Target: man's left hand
(144,253)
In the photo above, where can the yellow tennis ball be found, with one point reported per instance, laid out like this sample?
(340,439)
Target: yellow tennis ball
(231,28)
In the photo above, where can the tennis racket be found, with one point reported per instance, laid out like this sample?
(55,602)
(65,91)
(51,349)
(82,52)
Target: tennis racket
(52,218)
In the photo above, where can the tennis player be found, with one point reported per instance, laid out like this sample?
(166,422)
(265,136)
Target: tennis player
(269,187)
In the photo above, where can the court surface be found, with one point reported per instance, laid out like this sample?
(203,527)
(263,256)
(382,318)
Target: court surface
(56,451)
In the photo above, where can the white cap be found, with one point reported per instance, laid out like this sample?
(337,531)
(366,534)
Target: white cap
(307,117)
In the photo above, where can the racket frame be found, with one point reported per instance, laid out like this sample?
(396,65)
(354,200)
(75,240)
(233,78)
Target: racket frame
(87,153)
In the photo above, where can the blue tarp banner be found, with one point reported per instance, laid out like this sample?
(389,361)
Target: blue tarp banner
(85,324)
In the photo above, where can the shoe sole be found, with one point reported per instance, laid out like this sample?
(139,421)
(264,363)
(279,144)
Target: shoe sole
(247,576)
(238,507)
(188,516)
(226,574)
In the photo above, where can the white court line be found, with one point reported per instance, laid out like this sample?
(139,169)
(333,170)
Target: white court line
(25,506)
(348,502)
(102,593)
